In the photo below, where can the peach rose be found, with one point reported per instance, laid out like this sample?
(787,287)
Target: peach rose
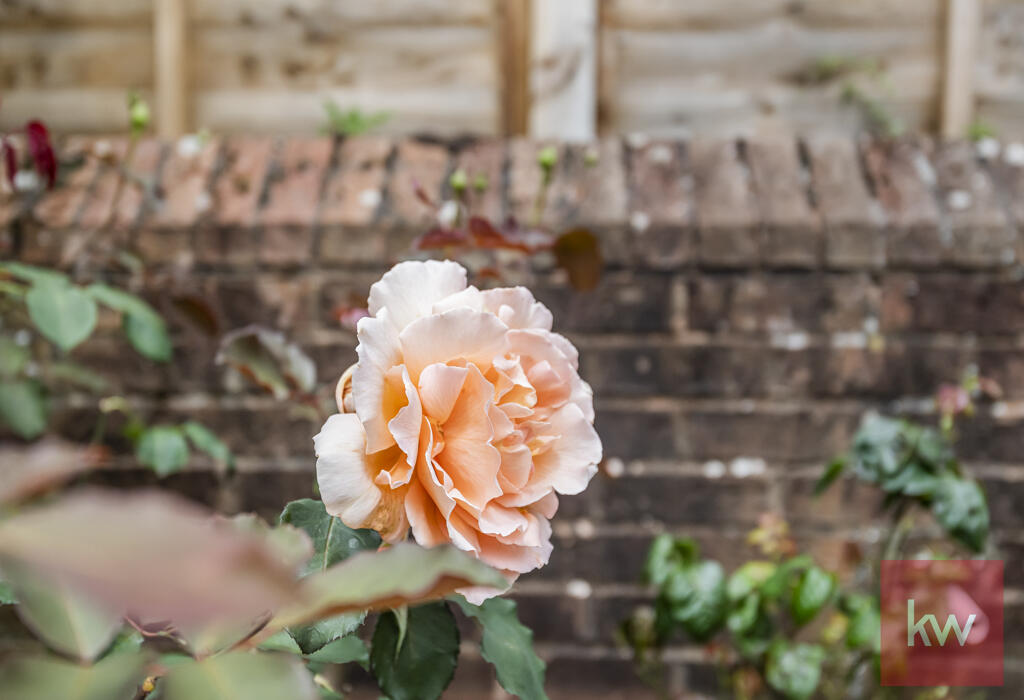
(462,419)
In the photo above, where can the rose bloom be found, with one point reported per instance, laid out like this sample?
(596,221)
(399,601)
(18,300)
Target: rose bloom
(463,419)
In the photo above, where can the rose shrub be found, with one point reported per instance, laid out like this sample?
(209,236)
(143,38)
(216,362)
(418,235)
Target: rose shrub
(463,419)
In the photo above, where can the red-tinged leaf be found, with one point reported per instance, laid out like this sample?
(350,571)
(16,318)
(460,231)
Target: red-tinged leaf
(422,195)
(199,312)
(485,235)
(579,254)
(41,148)
(441,237)
(268,359)
(348,316)
(153,555)
(10,159)
(34,470)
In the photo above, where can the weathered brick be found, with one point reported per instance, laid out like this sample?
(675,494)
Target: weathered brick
(792,230)
(783,303)
(553,618)
(287,302)
(227,237)
(142,169)
(661,204)
(903,180)
(99,205)
(687,500)
(589,191)
(293,194)
(728,222)
(848,503)
(620,302)
(417,164)
(954,302)
(524,180)
(484,158)
(982,234)
(853,219)
(352,199)
(595,679)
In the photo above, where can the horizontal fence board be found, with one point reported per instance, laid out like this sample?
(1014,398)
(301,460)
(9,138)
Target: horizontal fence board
(76,58)
(83,110)
(375,58)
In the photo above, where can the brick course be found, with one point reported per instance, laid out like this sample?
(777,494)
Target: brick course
(759,296)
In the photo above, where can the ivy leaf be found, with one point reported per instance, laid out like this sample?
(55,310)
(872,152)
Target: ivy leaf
(743,617)
(508,646)
(23,408)
(667,553)
(204,440)
(13,357)
(63,313)
(864,628)
(116,677)
(960,507)
(333,542)
(794,669)
(698,598)
(143,326)
(424,665)
(749,578)
(239,676)
(832,472)
(163,449)
(812,592)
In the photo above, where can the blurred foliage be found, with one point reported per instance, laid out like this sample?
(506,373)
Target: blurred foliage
(783,625)
(351,122)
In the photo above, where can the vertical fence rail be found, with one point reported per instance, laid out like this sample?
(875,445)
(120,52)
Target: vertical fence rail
(963,25)
(170,20)
(514,39)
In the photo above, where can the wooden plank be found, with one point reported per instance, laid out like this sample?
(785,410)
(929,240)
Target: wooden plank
(963,24)
(563,79)
(669,15)
(75,110)
(331,15)
(61,13)
(78,57)
(170,62)
(514,28)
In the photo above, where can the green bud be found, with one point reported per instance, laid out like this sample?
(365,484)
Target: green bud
(547,158)
(480,183)
(458,181)
(138,113)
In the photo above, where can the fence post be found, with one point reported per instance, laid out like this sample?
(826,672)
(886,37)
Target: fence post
(963,24)
(563,71)
(169,27)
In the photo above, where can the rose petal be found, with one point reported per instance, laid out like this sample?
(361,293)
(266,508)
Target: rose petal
(379,350)
(409,289)
(459,334)
(517,308)
(439,388)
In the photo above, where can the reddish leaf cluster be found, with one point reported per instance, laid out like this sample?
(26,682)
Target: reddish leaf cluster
(40,148)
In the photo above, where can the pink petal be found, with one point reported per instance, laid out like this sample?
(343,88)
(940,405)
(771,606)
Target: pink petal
(379,350)
(459,334)
(517,308)
(439,388)
(410,289)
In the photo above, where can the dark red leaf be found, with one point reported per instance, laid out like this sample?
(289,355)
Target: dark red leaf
(10,159)
(41,148)
(441,237)
(579,253)
(422,195)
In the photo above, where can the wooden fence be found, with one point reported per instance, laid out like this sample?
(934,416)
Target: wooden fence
(549,68)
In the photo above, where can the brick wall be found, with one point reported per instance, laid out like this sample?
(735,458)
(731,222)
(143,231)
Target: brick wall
(759,296)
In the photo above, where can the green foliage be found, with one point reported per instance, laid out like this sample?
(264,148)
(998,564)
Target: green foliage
(42,678)
(765,609)
(239,676)
(64,314)
(420,665)
(205,440)
(978,130)
(142,325)
(351,122)
(508,646)
(23,407)
(163,449)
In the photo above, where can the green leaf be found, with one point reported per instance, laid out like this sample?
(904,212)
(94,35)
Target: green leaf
(268,359)
(508,646)
(343,651)
(960,507)
(743,617)
(313,637)
(116,677)
(13,357)
(33,274)
(794,669)
(402,574)
(64,314)
(424,665)
(163,449)
(698,598)
(333,542)
(77,375)
(23,408)
(240,676)
(143,326)
(7,596)
(668,553)
(864,630)
(204,440)
(280,641)
(748,578)
(832,472)
(812,592)
(66,620)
